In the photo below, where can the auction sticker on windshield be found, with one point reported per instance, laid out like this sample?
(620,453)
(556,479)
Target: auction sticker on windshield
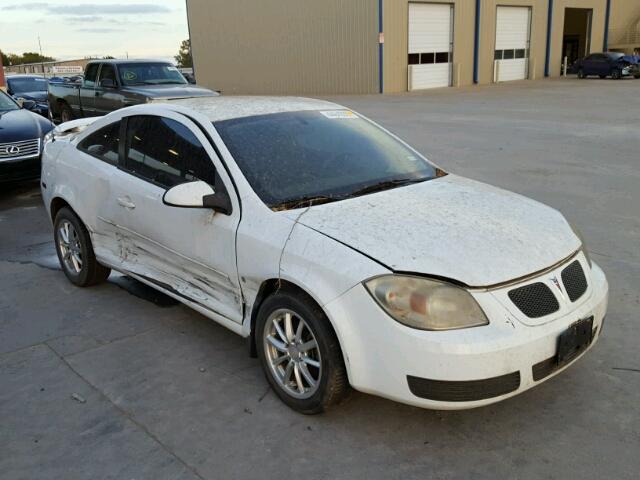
(339,114)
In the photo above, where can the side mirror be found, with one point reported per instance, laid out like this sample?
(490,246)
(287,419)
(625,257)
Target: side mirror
(107,83)
(197,194)
(26,104)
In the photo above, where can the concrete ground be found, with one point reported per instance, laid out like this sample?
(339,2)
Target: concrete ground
(118,382)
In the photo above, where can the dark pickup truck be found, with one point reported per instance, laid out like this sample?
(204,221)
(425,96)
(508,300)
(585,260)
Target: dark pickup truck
(112,84)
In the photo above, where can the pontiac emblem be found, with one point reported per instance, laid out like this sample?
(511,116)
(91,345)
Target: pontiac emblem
(555,281)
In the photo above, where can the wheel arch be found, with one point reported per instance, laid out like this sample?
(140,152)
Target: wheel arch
(57,204)
(268,288)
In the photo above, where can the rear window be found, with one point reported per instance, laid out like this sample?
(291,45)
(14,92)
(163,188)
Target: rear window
(103,143)
(24,85)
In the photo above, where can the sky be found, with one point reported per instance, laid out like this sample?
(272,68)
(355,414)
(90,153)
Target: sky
(70,29)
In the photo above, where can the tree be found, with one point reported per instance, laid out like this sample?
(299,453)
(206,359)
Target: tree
(26,57)
(33,57)
(183,58)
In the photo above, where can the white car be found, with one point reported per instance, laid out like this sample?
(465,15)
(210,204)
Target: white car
(341,253)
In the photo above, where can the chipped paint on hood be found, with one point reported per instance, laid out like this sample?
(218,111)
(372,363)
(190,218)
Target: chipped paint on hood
(450,227)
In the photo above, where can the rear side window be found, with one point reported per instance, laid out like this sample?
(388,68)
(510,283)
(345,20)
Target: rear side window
(91,74)
(103,144)
(165,152)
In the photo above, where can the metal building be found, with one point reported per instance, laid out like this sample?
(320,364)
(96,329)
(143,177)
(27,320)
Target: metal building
(372,46)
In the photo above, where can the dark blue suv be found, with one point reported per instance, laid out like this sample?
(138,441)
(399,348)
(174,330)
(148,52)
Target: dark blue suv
(610,64)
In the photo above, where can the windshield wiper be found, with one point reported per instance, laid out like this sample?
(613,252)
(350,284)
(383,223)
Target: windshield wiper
(304,202)
(377,187)
(169,82)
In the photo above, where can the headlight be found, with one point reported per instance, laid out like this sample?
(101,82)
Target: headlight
(426,304)
(584,245)
(48,137)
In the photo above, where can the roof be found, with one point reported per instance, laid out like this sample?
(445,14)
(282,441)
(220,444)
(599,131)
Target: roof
(226,108)
(122,61)
(24,75)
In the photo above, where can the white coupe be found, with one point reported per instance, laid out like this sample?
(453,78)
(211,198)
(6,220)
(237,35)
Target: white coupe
(343,255)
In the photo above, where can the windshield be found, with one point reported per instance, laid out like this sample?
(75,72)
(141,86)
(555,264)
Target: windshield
(6,103)
(20,85)
(150,74)
(300,158)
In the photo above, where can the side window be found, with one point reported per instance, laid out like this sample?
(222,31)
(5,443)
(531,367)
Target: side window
(109,72)
(165,152)
(103,144)
(90,75)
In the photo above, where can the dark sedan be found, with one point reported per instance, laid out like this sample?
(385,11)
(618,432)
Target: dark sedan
(31,88)
(21,133)
(610,64)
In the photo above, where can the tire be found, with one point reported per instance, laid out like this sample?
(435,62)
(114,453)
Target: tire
(616,74)
(66,114)
(329,372)
(75,252)
(602,76)
(636,75)
(581,74)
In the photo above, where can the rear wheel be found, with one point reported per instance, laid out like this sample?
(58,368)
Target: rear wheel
(66,114)
(581,74)
(300,353)
(75,252)
(602,76)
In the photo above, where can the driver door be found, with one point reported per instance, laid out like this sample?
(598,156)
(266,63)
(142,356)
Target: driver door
(107,99)
(188,251)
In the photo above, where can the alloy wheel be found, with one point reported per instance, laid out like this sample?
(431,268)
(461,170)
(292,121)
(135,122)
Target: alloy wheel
(292,353)
(70,248)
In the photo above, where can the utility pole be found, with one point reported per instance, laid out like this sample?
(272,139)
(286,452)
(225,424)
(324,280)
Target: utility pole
(41,57)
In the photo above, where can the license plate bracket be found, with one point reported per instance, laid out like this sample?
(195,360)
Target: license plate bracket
(575,340)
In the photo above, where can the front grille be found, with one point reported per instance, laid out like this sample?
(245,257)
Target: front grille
(575,283)
(463,391)
(534,300)
(25,148)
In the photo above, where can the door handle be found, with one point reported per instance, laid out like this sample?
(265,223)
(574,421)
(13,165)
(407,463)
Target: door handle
(126,203)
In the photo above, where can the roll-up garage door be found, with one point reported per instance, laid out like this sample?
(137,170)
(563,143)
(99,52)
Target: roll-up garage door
(430,45)
(511,60)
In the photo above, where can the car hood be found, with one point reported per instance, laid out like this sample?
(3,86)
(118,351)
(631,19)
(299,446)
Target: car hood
(171,91)
(449,227)
(22,124)
(38,96)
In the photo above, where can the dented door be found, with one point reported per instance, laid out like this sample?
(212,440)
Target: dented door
(188,251)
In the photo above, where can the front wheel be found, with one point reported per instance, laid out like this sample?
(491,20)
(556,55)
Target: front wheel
(581,74)
(300,353)
(75,252)
(66,114)
(616,74)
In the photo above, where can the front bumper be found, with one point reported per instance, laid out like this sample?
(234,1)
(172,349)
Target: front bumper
(384,357)
(21,169)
